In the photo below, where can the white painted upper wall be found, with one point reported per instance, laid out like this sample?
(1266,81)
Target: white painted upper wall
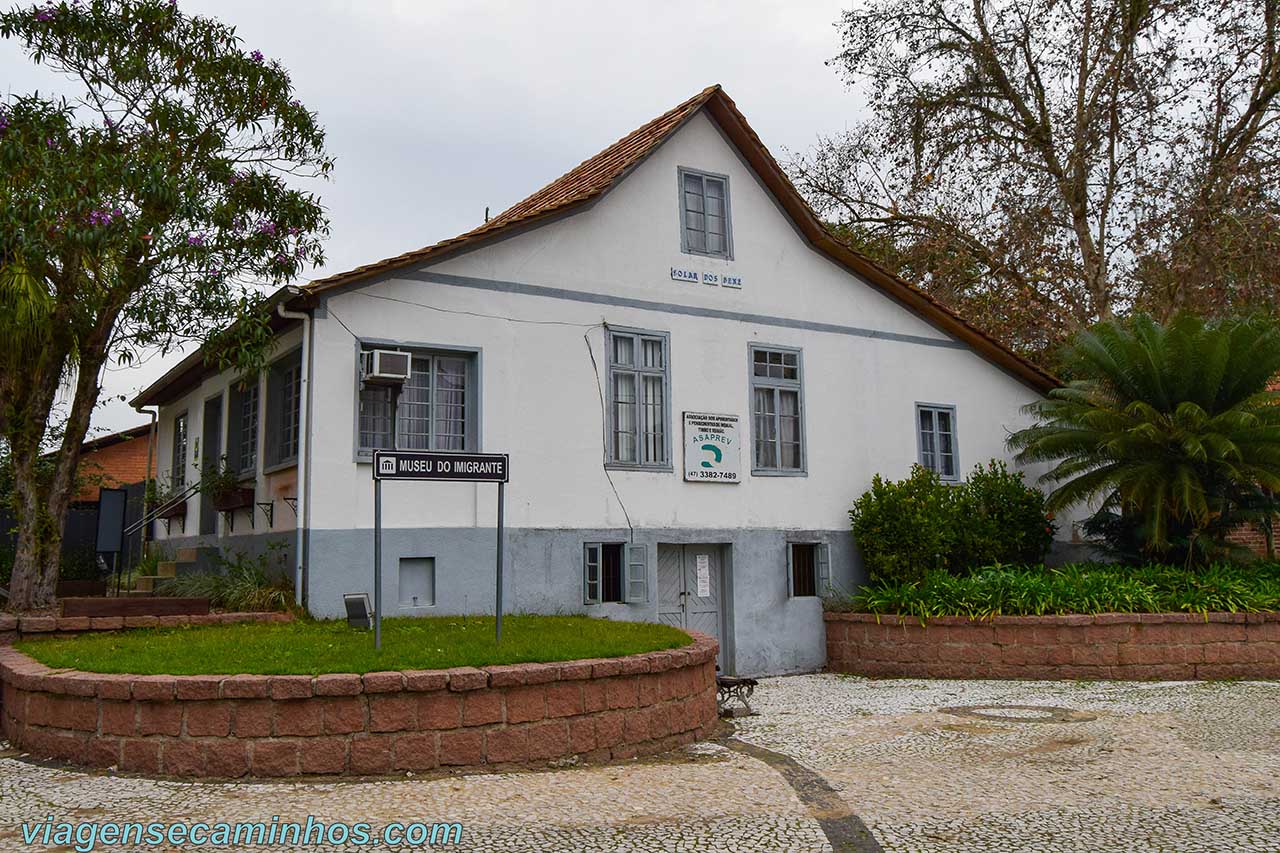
(540,398)
(273,484)
(627,242)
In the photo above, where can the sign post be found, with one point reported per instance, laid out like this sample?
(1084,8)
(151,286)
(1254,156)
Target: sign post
(438,467)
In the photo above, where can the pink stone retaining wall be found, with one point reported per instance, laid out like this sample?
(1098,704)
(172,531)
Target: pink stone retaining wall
(378,723)
(1140,646)
(14,628)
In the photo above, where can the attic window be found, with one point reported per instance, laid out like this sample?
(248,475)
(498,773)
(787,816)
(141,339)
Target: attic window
(704,204)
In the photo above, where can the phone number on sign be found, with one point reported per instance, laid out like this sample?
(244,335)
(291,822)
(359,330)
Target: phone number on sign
(712,475)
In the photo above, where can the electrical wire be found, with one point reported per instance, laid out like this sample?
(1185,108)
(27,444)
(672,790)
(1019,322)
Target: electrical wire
(479,314)
(604,419)
(595,372)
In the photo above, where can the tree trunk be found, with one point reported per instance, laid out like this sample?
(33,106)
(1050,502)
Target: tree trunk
(43,502)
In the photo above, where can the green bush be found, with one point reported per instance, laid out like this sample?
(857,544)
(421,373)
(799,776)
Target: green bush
(910,527)
(1000,520)
(257,583)
(905,528)
(1082,588)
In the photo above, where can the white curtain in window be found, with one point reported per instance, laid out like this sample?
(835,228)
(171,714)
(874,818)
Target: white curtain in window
(624,417)
(450,404)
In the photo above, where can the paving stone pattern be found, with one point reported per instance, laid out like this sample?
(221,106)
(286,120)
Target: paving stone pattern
(1158,767)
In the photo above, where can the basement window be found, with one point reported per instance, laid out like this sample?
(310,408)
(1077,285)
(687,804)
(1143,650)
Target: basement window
(808,569)
(417,581)
(615,572)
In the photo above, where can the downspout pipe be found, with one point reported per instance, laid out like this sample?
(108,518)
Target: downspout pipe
(146,492)
(304,447)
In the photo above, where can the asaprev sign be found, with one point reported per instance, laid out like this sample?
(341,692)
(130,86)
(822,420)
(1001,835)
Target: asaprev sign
(711,448)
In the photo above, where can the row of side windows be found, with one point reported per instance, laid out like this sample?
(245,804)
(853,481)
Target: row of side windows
(639,385)
(284,398)
(618,572)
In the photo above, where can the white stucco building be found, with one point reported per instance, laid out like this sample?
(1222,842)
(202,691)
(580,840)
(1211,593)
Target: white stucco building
(676,272)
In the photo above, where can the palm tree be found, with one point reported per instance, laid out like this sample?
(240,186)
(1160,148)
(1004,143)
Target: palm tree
(1169,425)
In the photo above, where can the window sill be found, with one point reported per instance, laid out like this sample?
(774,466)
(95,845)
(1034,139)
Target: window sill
(650,469)
(694,253)
(280,466)
(365,457)
(778,472)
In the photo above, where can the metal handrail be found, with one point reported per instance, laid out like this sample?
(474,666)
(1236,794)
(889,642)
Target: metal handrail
(169,504)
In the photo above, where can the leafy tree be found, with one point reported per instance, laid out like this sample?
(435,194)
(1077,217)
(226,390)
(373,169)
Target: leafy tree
(1171,428)
(1043,164)
(152,210)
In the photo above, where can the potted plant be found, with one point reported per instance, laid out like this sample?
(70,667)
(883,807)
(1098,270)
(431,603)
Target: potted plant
(222,485)
(161,499)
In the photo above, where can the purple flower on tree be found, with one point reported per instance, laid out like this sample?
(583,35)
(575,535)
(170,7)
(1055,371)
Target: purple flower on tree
(195,240)
(266,227)
(256,56)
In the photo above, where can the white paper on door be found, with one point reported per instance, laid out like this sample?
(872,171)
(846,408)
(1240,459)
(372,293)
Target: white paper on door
(704,575)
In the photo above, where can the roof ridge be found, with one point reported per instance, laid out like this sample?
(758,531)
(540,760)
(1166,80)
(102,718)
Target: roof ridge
(573,187)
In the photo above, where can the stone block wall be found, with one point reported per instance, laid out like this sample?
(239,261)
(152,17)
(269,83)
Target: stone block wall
(373,724)
(1120,646)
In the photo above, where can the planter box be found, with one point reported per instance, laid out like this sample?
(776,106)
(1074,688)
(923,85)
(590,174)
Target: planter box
(178,510)
(238,499)
(74,587)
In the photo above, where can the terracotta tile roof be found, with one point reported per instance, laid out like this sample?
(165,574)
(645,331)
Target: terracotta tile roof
(596,175)
(587,180)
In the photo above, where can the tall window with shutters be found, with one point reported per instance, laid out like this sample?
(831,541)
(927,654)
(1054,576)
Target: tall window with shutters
(777,411)
(178,454)
(284,403)
(242,426)
(704,210)
(639,389)
(432,410)
(937,432)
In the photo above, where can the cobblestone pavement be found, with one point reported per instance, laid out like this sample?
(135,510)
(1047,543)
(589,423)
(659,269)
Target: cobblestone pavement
(1125,767)
(1188,766)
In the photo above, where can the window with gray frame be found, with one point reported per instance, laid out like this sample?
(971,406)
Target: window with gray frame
(937,431)
(808,569)
(638,410)
(431,410)
(284,401)
(704,204)
(615,572)
(242,426)
(777,407)
(178,459)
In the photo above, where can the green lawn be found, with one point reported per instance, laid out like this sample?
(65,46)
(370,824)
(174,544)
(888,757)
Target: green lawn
(310,647)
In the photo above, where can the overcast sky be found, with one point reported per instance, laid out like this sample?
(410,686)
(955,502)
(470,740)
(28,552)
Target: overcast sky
(436,109)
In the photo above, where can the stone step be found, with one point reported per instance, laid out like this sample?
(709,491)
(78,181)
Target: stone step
(167,569)
(147,583)
(186,555)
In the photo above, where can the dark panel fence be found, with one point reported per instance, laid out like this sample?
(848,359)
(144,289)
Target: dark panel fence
(79,560)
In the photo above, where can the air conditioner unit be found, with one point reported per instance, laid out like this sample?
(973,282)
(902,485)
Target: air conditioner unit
(385,366)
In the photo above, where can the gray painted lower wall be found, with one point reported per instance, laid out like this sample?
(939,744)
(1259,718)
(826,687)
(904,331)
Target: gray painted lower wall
(278,547)
(764,631)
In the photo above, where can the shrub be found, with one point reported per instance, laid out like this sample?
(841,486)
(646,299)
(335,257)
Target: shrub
(1000,520)
(1081,588)
(246,583)
(907,528)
